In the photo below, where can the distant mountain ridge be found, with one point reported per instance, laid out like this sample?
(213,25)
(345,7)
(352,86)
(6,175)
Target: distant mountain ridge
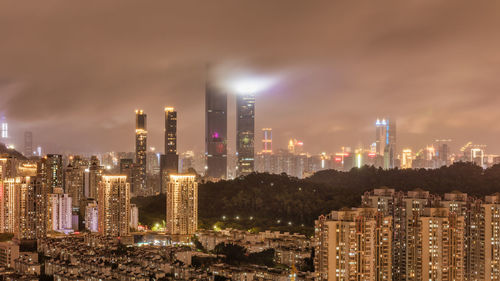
(4,151)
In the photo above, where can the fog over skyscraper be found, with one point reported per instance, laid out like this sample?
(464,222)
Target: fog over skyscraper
(245,132)
(215,131)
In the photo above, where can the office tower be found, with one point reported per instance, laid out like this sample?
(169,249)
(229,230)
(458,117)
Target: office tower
(172,159)
(114,206)
(60,212)
(385,141)
(406,159)
(74,183)
(95,172)
(28,144)
(443,152)
(380,136)
(134,217)
(267,141)
(92,216)
(4,130)
(182,205)
(353,244)
(215,131)
(245,132)
(169,162)
(187,161)
(139,185)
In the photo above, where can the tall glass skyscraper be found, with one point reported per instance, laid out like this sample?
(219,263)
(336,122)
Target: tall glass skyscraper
(139,183)
(215,131)
(169,162)
(245,131)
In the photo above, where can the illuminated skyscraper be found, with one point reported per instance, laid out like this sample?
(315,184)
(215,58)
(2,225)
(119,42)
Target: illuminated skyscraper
(169,162)
(245,133)
(380,136)
(182,205)
(139,183)
(114,206)
(28,144)
(4,130)
(215,131)
(385,141)
(26,209)
(267,140)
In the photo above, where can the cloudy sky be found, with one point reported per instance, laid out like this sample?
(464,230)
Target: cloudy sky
(74,72)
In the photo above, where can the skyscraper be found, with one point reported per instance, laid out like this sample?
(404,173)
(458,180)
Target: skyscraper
(54,173)
(245,132)
(114,206)
(28,144)
(4,130)
(215,131)
(385,141)
(169,162)
(60,212)
(182,205)
(139,184)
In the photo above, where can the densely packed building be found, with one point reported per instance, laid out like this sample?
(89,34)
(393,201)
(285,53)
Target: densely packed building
(410,235)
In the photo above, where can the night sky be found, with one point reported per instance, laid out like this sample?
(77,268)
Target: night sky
(73,73)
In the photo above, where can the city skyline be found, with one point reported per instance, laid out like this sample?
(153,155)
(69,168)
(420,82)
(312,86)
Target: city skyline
(348,73)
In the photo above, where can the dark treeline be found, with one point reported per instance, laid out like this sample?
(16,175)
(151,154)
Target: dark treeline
(271,198)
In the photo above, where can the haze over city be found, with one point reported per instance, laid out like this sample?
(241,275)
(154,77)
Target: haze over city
(73,73)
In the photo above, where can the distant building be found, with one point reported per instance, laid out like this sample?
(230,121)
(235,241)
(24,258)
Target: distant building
(74,183)
(182,205)
(406,159)
(114,206)
(215,131)
(267,141)
(245,133)
(28,144)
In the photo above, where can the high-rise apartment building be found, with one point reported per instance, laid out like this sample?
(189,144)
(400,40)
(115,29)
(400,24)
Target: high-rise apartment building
(245,132)
(54,173)
(60,212)
(114,206)
(8,218)
(28,144)
(92,216)
(215,131)
(25,208)
(141,133)
(353,244)
(182,205)
(74,183)
(95,172)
